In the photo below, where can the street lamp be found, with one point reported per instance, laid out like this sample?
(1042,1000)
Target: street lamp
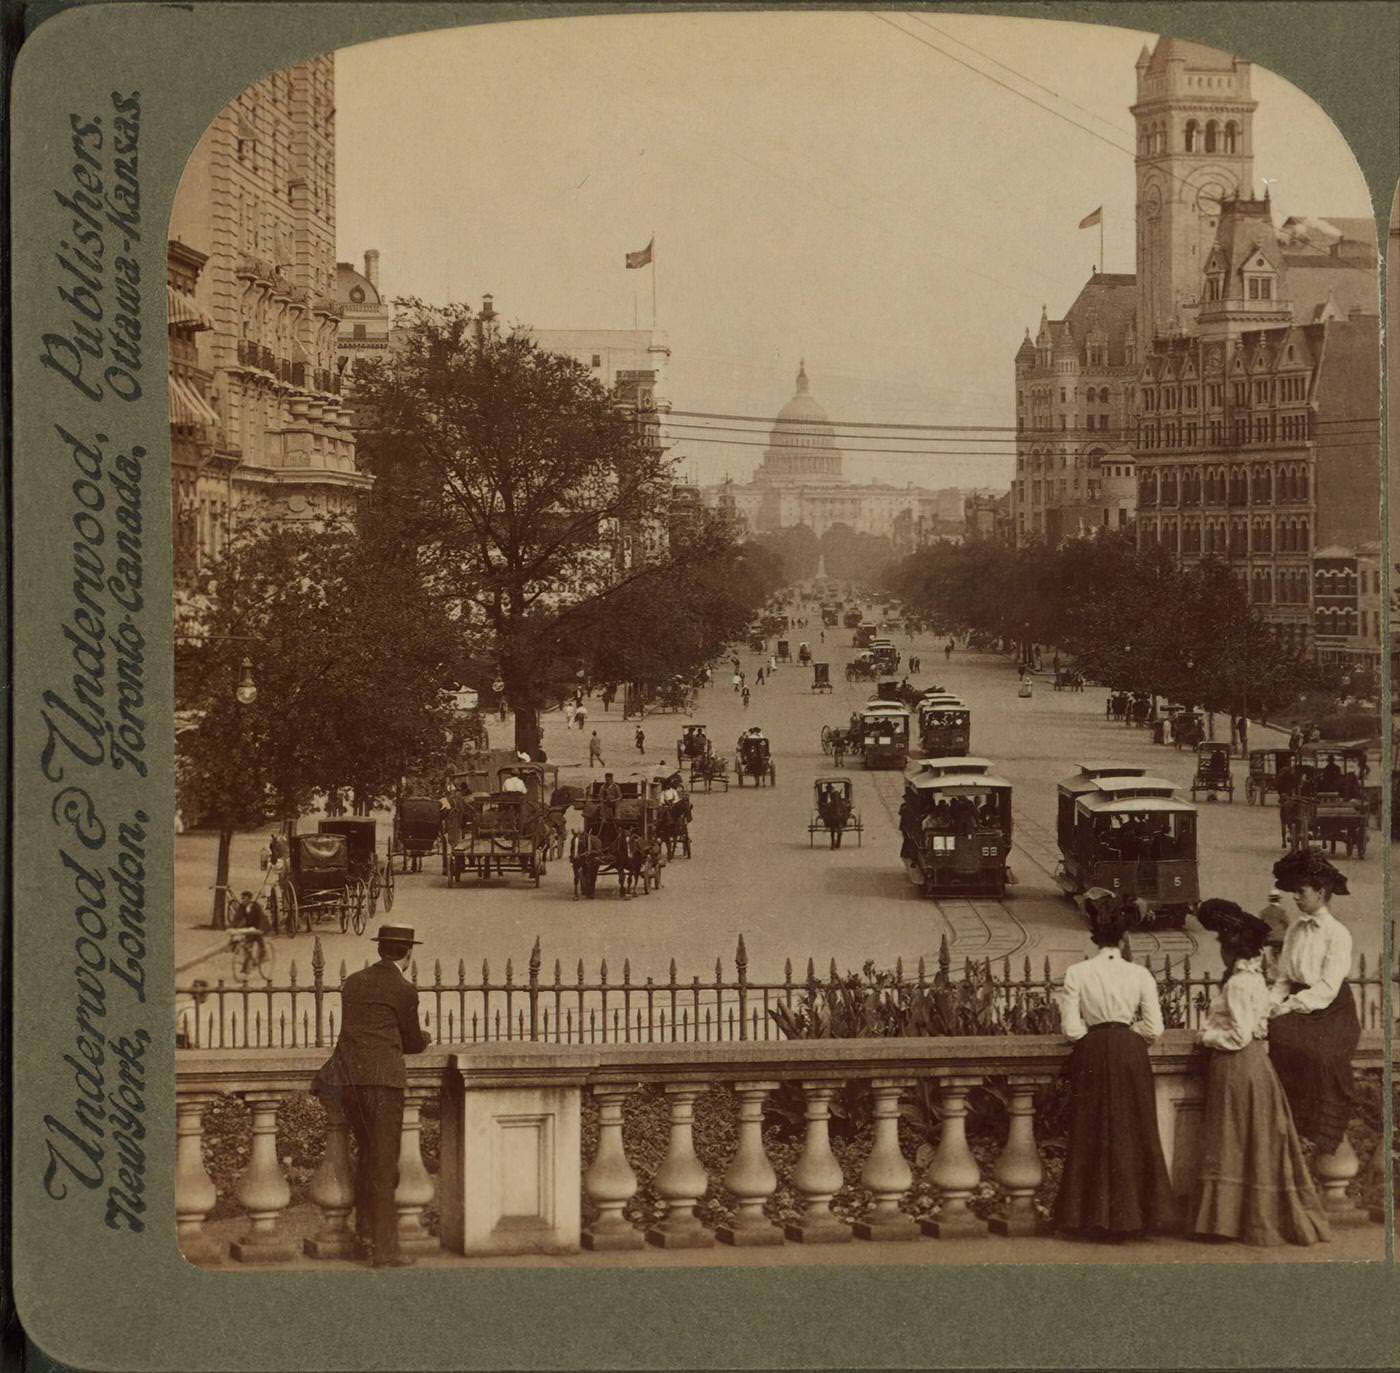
(247,691)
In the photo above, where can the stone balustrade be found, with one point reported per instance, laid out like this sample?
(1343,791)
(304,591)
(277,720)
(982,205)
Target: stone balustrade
(512,1177)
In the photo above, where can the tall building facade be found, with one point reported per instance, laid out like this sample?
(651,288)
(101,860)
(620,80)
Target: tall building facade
(1074,397)
(1256,430)
(801,481)
(257,202)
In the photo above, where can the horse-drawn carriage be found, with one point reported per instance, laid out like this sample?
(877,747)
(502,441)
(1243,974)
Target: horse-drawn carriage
(1127,832)
(753,757)
(1328,806)
(862,668)
(677,695)
(783,653)
(417,831)
(673,815)
(619,836)
(804,653)
(884,735)
(1213,775)
(1188,729)
(833,811)
(371,877)
(694,743)
(313,884)
(1266,766)
(821,676)
(945,727)
(505,831)
(758,643)
(955,827)
(885,655)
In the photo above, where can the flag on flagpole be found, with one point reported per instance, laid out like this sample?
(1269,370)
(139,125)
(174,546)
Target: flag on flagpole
(642,258)
(1089,221)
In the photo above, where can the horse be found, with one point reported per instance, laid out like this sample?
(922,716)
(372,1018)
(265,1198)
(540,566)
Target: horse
(672,826)
(834,810)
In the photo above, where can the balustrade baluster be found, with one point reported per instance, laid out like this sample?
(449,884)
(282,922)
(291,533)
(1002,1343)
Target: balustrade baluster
(954,1171)
(886,1173)
(262,1190)
(332,1188)
(415,1191)
(681,1179)
(195,1193)
(1018,1169)
(1335,1171)
(750,1177)
(609,1180)
(817,1176)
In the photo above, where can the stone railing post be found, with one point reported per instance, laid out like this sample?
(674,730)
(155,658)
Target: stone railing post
(887,1174)
(332,1188)
(262,1190)
(817,1175)
(954,1171)
(681,1179)
(750,1177)
(415,1191)
(609,1181)
(1018,1169)
(195,1193)
(1335,1172)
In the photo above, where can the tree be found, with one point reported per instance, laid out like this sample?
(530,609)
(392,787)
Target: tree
(528,492)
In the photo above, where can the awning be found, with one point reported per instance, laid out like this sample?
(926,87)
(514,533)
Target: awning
(187,406)
(182,308)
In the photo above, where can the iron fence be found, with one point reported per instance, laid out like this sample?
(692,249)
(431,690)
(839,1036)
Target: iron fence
(601,1009)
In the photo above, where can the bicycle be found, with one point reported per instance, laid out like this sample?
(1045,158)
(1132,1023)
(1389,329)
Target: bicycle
(250,954)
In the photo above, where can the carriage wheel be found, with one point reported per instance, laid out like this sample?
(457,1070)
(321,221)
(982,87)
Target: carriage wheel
(1249,791)
(297,914)
(371,888)
(388,888)
(772,775)
(826,738)
(357,915)
(274,913)
(446,864)
(344,909)
(1361,840)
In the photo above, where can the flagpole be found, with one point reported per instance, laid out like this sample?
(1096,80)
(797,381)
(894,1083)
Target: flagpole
(653,279)
(1101,267)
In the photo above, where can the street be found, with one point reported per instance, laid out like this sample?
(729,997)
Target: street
(754,872)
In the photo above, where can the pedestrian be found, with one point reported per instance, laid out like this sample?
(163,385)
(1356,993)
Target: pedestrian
(1242,728)
(1253,1183)
(758,680)
(1295,738)
(580,716)
(1275,915)
(772,665)
(1115,1184)
(363,1082)
(1314,1027)
(641,740)
(948,651)
(738,680)
(595,749)
(823,636)
(745,697)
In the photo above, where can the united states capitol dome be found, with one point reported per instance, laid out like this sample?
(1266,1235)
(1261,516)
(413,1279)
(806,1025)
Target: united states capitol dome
(801,444)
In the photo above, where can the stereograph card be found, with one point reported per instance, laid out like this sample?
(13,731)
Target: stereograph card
(702,685)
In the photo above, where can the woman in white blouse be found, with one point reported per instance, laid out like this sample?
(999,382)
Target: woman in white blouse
(1314,1029)
(1115,1183)
(1254,1183)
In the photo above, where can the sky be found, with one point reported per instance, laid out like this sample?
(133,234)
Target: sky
(820,186)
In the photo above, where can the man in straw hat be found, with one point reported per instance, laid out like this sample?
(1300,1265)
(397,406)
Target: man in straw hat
(1315,1027)
(364,1080)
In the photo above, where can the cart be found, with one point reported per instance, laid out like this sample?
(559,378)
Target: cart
(371,877)
(753,758)
(506,832)
(313,886)
(1213,776)
(833,811)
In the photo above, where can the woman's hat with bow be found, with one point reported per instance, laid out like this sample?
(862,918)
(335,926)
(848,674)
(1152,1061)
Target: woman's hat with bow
(1230,921)
(1310,868)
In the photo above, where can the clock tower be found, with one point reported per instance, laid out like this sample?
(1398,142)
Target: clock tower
(1194,120)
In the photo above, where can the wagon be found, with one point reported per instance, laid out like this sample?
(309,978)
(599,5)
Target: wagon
(371,877)
(417,831)
(620,836)
(1213,776)
(833,811)
(821,676)
(709,770)
(506,832)
(313,884)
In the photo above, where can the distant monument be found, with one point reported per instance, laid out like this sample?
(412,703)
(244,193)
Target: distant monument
(821,567)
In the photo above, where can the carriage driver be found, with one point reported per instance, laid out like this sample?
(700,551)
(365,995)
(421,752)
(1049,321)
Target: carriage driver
(610,794)
(669,795)
(514,783)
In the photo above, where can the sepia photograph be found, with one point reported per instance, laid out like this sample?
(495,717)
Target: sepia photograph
(779,632)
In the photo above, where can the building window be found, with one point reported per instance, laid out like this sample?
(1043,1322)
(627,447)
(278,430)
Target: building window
(597,360)
(359,331)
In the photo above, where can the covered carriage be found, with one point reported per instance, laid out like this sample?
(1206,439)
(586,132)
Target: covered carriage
(694,743)
(862,668)
(1213,776)
(417,831)
(753,757)
(313,885)
(821,676)
(783,652)
(371,877)
(1131,834)
(833,811)
(804,653)
(955,827)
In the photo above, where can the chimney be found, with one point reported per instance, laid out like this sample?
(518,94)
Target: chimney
(372,266)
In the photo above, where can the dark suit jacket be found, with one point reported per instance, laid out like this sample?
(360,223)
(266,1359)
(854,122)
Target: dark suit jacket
(380,1026)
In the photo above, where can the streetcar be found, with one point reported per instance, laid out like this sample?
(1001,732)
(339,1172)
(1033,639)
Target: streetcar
(945,726)
(1122,830)
(884,735)
(955,828)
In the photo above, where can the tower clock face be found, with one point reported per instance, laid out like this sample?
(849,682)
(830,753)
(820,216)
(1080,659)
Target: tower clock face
(1208,199)
(1152,202)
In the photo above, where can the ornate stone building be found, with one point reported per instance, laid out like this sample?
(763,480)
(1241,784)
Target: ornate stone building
(257,202)
(1256,396)
(801,481)
(1074,385)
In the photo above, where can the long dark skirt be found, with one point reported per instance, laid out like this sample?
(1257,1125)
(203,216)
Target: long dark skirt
(1254,1183)
(1115,1180)
(1311,1053)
